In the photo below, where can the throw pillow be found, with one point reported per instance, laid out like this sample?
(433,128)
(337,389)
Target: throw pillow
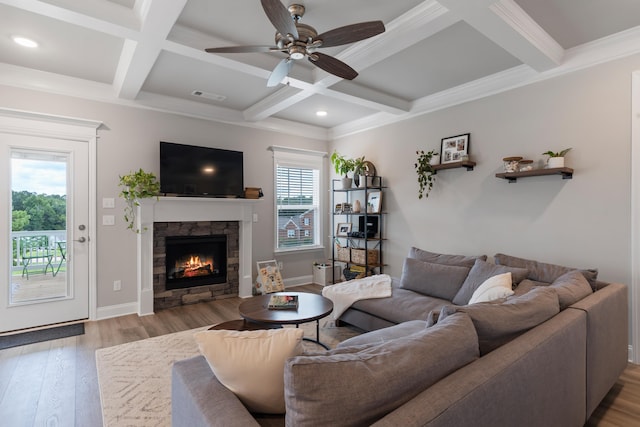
(435,280)
(497,324)
(436,258)
(496,287)
(251,363)
(571,288)
(480,272)
(544,272)
(359,385)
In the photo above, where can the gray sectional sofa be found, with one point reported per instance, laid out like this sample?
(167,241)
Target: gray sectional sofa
(545,356)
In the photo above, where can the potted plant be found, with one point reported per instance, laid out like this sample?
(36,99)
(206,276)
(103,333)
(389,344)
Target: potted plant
(359,175)
(556,159)
(135,186)
(343,166)
(425,172)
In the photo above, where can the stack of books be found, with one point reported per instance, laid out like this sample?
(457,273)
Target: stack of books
(283,302)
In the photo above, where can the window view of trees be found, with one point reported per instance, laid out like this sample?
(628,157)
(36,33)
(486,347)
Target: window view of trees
(32,212)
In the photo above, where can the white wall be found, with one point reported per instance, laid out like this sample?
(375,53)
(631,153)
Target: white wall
(130,140)
(583,222)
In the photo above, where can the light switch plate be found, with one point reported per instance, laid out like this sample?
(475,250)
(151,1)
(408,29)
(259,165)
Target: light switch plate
(108,220)
(108,203)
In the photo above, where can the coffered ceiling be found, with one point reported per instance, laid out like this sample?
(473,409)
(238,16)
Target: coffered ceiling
(433,54)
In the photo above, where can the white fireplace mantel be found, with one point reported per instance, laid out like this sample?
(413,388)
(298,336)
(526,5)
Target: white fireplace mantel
(173,209)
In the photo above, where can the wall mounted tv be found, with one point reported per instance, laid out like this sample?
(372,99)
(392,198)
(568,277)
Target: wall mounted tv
(188,170)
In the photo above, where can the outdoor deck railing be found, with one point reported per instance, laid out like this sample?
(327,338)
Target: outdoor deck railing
(54,237)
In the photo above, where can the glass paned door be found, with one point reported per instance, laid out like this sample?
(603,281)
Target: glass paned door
(44,234)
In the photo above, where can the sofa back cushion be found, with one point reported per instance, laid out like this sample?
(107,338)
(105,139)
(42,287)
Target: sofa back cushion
(480,272)
(544,272)
(359,385)
(497,324)
(571,288)
(459,260)
(435,280)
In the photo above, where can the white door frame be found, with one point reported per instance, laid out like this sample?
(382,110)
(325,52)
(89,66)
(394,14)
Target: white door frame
(634,350)
(51,126)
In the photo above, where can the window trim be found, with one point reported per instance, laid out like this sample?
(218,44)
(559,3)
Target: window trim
(297,157)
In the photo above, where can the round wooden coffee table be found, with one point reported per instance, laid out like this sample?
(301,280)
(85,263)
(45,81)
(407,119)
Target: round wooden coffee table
(310,307)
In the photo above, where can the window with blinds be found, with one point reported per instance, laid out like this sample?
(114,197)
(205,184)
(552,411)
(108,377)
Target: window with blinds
(297,200)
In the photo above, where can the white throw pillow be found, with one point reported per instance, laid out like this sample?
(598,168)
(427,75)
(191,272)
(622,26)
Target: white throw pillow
(251,363)
(493,288)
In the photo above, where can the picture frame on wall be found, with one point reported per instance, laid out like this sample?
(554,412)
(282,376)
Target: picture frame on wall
(374,202)
(343,230)
(454,147)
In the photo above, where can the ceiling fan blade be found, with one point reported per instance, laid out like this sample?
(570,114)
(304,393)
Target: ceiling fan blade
(333,66)
(280,17)
(242,49)
(280,72)
(351,33)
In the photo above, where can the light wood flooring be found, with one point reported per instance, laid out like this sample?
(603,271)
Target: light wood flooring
(55,383)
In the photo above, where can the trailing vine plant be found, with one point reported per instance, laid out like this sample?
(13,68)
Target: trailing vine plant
(425,172)
(135,186)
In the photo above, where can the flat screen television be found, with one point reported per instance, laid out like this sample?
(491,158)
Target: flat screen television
(189,170)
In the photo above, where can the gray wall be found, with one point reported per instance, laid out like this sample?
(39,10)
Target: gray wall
(130,140)
(583,222)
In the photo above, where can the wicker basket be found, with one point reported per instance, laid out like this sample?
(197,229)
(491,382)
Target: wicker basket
(343,254)
(358,256)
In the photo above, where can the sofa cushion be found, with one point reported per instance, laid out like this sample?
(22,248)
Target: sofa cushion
(436,280)
(385,334)
(480,272)
(359,385)
(404,305)
(495,287)
(497,324)
(544,272)
(459,260)
(251,363)
(571,288)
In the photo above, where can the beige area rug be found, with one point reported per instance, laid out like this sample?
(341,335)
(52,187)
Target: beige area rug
(135,378)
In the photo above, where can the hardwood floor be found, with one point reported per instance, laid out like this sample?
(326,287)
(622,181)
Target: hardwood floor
(55,383)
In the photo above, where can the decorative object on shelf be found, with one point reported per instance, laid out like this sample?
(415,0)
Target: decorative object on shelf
(525,165)
(454,147)
(425,172)
(435,159)
(556,159)
(135,186)
(374,202)
(253,193)
(343,166)
(357,207)
(343,208)
(343,229)
(510,164)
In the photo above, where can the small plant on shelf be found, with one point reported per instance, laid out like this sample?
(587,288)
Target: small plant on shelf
(343,166)
(425,172)
(556,159)
(135,186)
(556,153)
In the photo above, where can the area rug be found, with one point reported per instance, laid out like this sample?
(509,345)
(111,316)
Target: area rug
(135,378)
(30,337)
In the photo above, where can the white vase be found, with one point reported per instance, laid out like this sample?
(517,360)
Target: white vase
(435,160)
(361,181)
(555,162)
(346,183)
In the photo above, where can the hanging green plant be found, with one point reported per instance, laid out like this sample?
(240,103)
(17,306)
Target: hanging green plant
(135,186)
(425,171)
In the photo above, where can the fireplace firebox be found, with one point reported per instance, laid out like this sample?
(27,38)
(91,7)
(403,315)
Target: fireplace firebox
(195,261)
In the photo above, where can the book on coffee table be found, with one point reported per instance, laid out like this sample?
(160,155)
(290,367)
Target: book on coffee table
(283,302)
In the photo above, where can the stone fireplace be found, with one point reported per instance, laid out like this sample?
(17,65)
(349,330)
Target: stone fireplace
(194,261)
(191,214)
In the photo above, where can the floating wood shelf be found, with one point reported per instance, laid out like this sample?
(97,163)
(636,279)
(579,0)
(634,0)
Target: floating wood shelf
(466,164)
(566,173)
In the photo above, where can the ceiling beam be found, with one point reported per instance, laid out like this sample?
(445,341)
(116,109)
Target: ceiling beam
(505,23)
(138,57)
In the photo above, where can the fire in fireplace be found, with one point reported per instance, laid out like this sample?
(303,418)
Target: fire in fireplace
(195,261)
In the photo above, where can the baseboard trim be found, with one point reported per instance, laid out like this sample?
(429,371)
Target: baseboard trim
(118,310)
(297,281)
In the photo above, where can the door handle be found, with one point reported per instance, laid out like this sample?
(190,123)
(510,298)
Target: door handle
(81,240)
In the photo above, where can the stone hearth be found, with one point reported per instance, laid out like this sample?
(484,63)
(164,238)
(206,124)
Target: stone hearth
(165,298)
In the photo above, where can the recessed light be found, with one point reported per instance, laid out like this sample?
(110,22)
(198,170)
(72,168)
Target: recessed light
(321,113)
(23,41)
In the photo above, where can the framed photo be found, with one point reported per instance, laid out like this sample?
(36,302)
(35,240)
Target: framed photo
(454,147)
(343,230)
(374,202)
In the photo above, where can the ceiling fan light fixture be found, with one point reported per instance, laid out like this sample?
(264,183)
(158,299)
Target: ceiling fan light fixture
(297,52)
